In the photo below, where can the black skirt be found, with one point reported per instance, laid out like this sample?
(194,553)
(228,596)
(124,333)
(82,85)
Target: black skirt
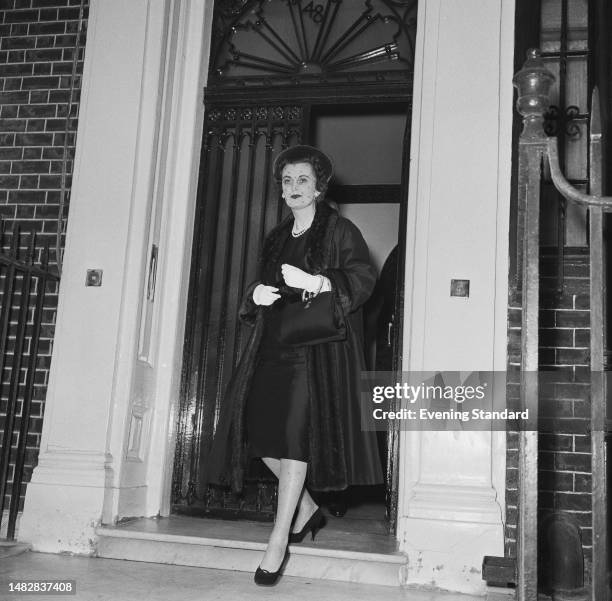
(277,409)
(278,406)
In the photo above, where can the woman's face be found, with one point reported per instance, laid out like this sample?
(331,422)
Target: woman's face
(299,185)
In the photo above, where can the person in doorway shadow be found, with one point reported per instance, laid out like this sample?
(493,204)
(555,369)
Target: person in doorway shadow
(379,324)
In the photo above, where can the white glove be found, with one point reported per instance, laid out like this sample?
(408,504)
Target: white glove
(265,295)
(297,278)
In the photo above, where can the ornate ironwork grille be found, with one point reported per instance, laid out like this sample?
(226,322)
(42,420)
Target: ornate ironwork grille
(271,61)
(566,49)
(280,42)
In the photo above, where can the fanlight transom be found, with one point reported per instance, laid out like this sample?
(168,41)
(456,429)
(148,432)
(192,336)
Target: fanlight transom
(271,41)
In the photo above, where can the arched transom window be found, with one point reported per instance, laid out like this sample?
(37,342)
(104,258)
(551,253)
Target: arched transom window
(270,42)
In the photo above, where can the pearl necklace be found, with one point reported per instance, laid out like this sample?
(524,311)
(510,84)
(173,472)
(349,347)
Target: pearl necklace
(298,233)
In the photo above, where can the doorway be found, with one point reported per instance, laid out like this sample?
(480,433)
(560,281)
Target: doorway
(342,92)
(366,143)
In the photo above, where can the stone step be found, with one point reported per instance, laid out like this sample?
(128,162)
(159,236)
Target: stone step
(308,561)
(11,548)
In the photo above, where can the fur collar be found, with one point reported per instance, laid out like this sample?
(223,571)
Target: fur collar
(318,241)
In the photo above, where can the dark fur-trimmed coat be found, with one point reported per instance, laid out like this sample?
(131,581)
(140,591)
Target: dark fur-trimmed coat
(341,454)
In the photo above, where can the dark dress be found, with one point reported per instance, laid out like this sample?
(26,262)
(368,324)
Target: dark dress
(277,408)
(339,450)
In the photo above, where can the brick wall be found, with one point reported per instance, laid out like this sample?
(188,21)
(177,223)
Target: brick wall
(564,448)
(38,41)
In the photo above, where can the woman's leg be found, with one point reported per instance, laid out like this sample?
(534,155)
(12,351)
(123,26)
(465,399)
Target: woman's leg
(290,484)
(306,506)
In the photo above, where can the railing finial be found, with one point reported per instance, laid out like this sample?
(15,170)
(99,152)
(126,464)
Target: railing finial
(533,83)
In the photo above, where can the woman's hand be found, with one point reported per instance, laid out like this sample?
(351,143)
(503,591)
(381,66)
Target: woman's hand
(297,278)
(265,295)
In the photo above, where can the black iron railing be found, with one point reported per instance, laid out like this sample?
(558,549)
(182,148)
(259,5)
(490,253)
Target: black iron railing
(535,151)
(26,280)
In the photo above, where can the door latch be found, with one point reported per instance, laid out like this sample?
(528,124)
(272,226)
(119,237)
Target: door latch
(152,274)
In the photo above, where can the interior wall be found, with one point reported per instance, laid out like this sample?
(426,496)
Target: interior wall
(366,147)
(378,224)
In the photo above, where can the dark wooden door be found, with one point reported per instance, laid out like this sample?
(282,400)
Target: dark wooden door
(238,203)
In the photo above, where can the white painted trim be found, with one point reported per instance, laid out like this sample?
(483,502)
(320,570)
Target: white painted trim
(500,358)
(141,199)
(88,66)
(415,276)
(185,138)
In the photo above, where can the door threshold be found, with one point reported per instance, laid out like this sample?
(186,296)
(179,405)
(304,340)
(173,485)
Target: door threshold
(337,553)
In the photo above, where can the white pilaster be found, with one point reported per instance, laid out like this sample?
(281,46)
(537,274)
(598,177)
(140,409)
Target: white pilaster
(451,506)
(84,451)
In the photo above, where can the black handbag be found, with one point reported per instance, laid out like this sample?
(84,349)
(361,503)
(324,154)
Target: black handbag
(315,321)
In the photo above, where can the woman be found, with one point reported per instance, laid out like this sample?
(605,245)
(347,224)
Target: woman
(297,407)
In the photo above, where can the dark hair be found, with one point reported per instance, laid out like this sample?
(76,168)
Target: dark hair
(320,162)
(320,172)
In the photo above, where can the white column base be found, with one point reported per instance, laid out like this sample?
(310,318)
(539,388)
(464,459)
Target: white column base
(447,533)
(64,502)
(452,559)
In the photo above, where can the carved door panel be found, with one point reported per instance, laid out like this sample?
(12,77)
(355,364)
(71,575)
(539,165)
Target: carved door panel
(237,204)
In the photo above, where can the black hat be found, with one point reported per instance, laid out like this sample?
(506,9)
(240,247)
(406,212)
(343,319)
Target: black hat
(300,154)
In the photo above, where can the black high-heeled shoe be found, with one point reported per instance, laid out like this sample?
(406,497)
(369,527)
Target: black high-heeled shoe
(314,524)
(265,578)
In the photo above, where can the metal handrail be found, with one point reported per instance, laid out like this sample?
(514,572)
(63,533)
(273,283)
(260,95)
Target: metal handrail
(566,189)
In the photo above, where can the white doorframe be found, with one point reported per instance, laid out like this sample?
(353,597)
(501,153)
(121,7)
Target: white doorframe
(184,139)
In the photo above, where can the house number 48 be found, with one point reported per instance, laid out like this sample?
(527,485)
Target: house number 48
(314,11)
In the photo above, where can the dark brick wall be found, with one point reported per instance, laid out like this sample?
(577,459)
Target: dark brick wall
(564,448)
(38,40)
